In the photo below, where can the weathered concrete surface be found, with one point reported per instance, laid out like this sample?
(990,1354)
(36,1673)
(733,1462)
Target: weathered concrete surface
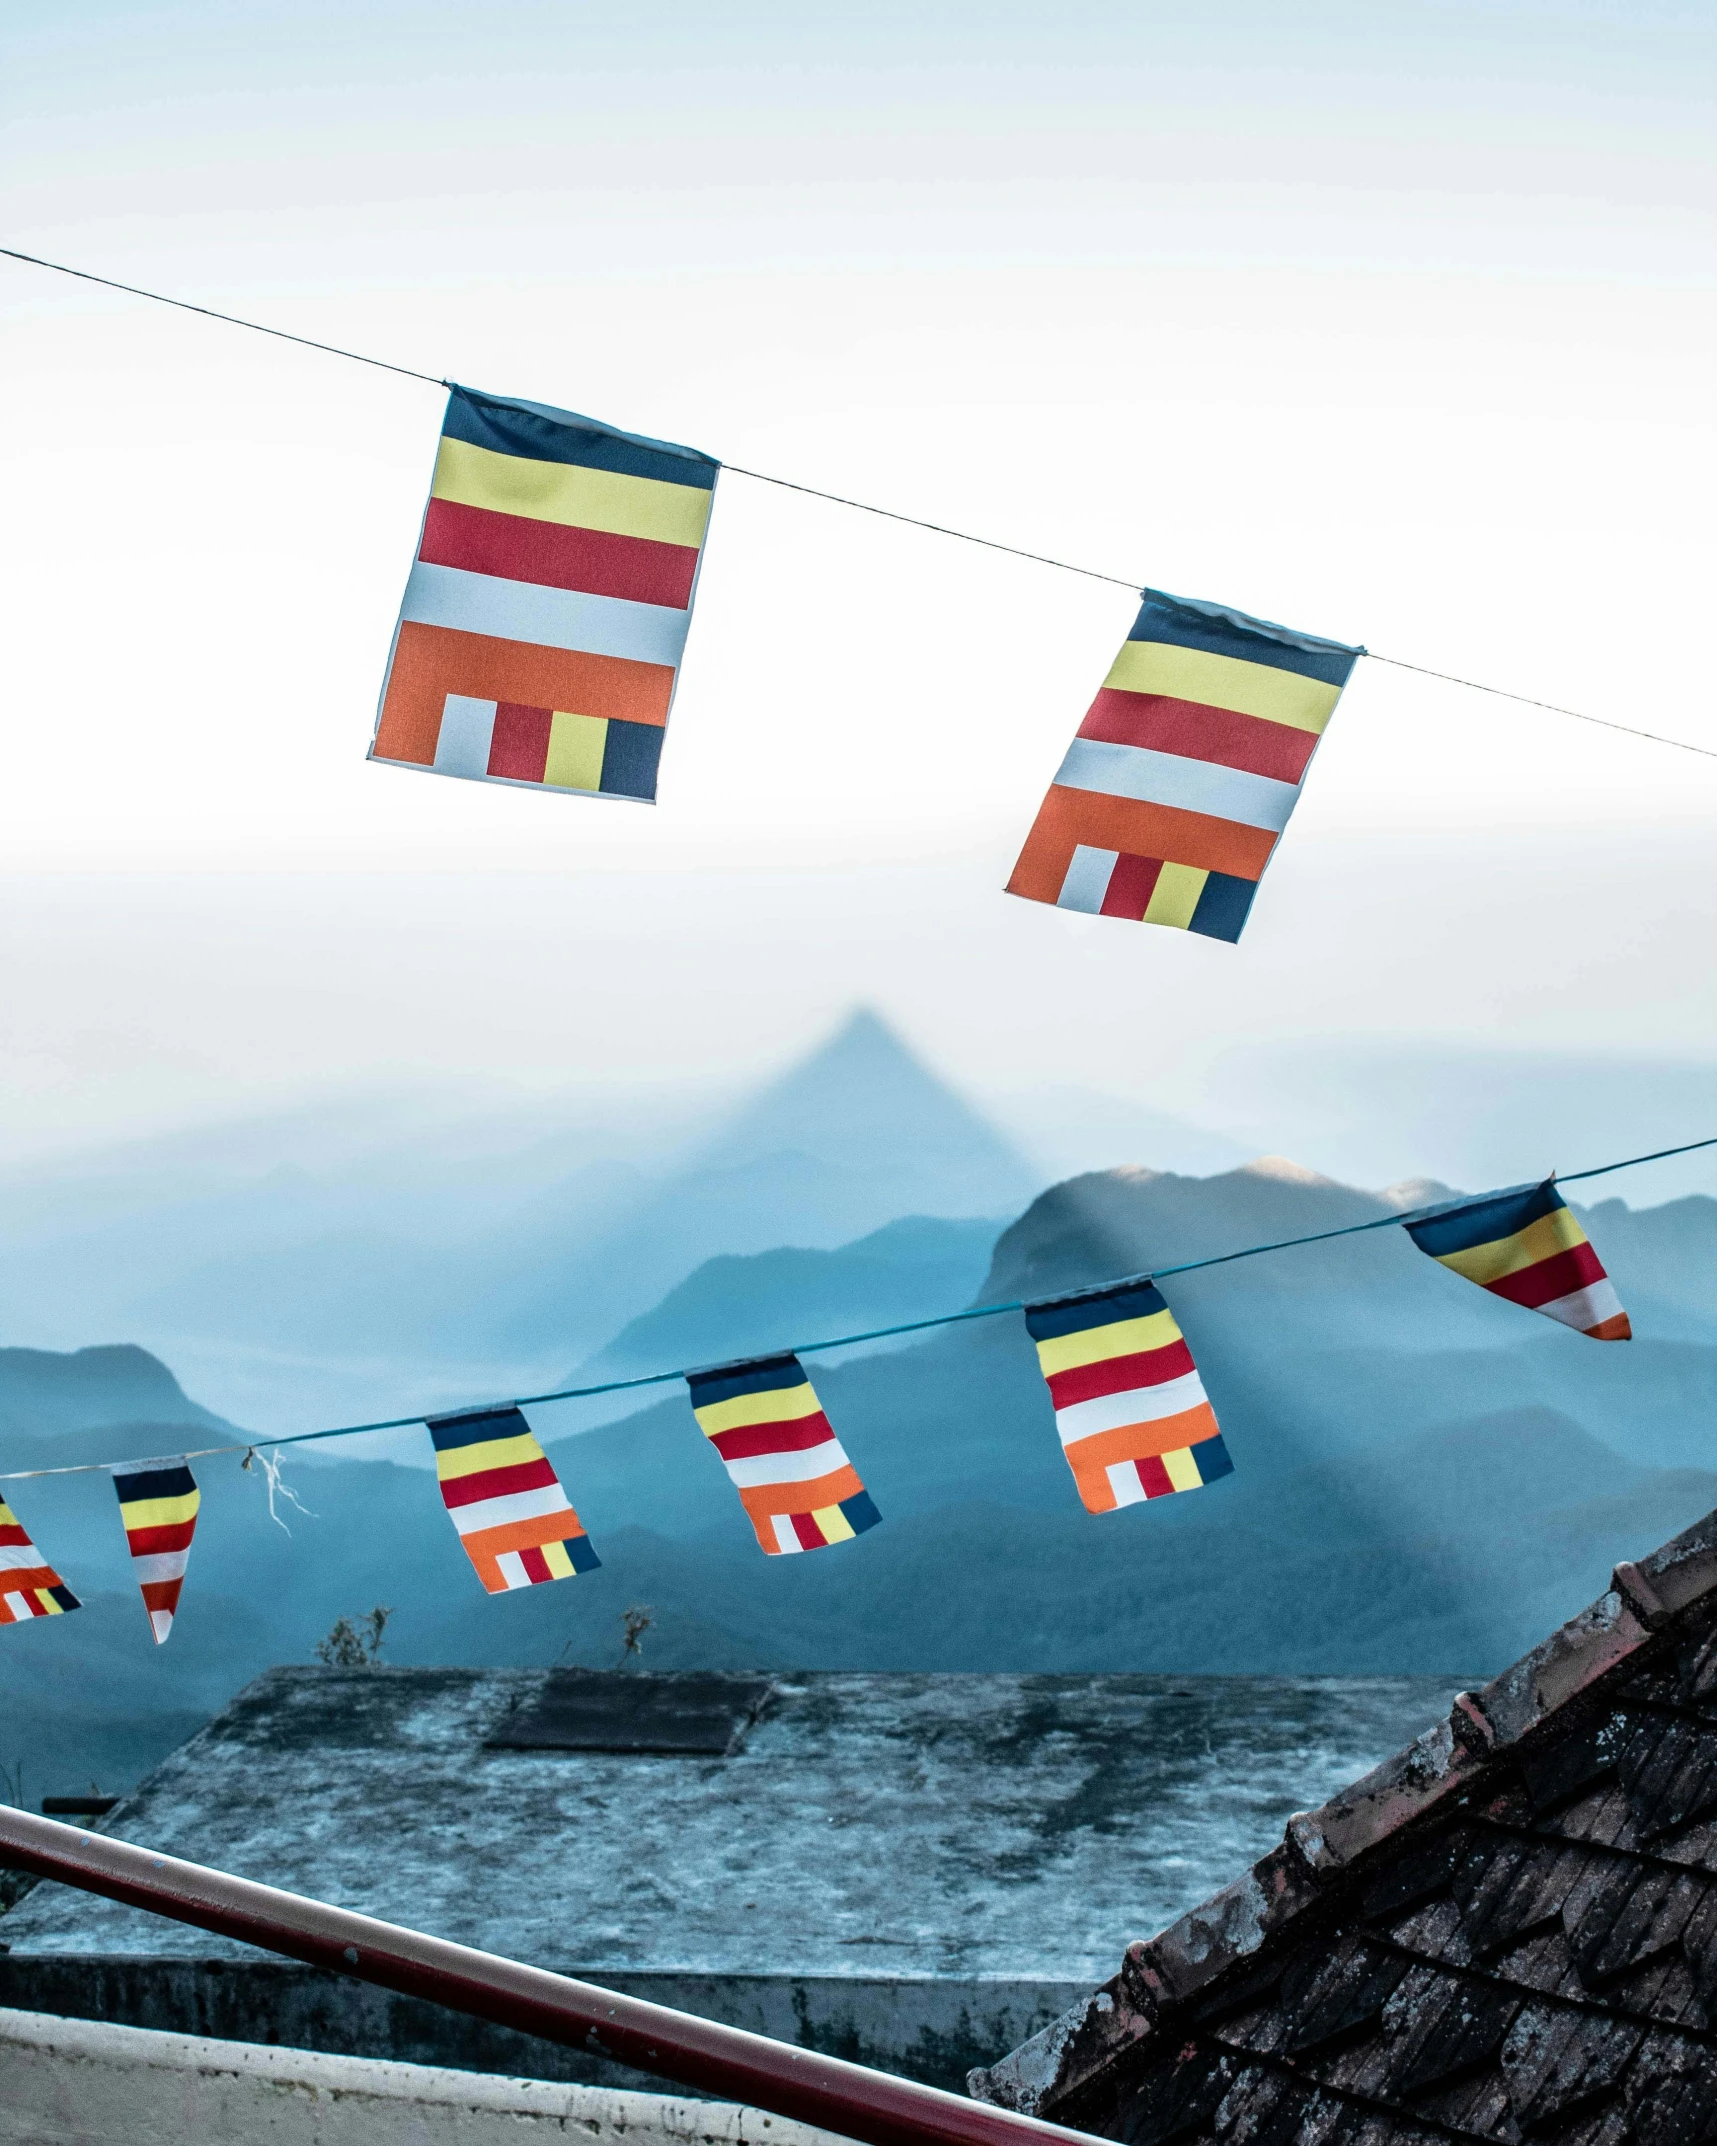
(78,2083)
(919,1872)
(1020,1827)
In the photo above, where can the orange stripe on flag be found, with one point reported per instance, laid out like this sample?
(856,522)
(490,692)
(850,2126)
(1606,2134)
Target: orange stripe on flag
(432,661)
(1137,1441)
(764,1499)
(1069,817)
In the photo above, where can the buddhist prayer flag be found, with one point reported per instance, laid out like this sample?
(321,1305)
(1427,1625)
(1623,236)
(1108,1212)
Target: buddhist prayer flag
(1525,1245)
(158,1501)
(29,1585)
(505,1499)
(1133,1415)
(792,1474)
(544,620)
(1182,776)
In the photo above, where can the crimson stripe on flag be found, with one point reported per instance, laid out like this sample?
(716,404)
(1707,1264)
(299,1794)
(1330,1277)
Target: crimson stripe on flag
(513,547)
(748,1440)
(1558,1276)
(498,1482)
(1198,732)
(1120,1374)
(157,1542)
(1132,882)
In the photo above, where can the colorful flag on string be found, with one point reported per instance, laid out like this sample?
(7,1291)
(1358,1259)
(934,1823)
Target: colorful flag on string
(793,1476)
(544,620)
(29,1585)
(1525,1245)
(503,1496)
(158,1502)
(1182,776)
(1134,1418)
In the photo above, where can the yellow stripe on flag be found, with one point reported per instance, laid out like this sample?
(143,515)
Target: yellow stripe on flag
(161,1512)
(1182,1469)
(1175,895)
(577,498)
(492,1453)
(1096,1344)
(1224,682)
(834,1523)
(576,744)
(785,1404)
(1493,1262)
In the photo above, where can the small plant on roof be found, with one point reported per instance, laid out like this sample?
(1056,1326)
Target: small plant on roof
(637,1621)
(354,1646)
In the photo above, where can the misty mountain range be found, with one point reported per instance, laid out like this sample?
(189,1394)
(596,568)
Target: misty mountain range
(1426,1479)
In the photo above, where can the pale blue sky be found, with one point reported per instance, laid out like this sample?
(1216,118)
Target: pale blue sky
(1392,322)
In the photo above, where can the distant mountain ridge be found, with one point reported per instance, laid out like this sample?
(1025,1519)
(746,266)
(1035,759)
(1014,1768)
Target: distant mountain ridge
(1426,1480)
(746,1303)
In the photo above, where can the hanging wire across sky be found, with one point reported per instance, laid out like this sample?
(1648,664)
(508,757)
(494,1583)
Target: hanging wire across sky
(258,1446)
(838,499)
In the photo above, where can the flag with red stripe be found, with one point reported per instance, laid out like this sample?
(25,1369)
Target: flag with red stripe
(29,1585)
(506,1502)
(1172,797)
(799,1490)
(546,613)
(158,1504)
(1526,1246)
(1134,1419)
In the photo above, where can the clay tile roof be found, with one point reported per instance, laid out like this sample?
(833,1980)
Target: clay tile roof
(1506,1932)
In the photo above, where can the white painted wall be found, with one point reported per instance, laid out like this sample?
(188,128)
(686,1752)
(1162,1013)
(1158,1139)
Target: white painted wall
(74,2082)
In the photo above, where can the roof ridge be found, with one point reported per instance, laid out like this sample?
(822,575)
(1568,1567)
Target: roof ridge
(1221,1939)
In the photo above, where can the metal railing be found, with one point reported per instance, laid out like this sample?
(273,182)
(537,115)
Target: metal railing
(873,2106)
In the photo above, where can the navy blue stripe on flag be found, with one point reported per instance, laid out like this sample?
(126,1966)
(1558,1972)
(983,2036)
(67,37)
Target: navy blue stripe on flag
(631,754)
(64,1597)
(859,1512)
(764,1374)
(1223,906)
(1094,1307)
(451,1432)
(580,1554)
(540,434)
(176,1482)
(1184,622)
(1210,1456)
(1486,1221)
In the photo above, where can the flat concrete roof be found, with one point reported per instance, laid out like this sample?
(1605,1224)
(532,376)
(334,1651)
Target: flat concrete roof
(962,1826)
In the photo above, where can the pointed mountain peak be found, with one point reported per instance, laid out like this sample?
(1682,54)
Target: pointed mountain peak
(865,1100)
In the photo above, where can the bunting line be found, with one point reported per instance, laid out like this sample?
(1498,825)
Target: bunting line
(838,499)
(850,1341)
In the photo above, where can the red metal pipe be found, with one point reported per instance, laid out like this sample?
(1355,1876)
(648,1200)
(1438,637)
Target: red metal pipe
(849,2098)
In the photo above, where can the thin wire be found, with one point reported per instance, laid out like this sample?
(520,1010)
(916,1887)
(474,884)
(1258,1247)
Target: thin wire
(839,499)
(1526,700)
(232,320)
(850,1341)
(913,521)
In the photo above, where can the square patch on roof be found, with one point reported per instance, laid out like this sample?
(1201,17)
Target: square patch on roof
(692,1714)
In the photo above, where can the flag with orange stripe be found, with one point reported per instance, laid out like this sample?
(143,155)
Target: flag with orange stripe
(505,1500)
(1172,797)
(1525,1245)
(799,1490)
(29,1585)
(1134,1418)
(544,618)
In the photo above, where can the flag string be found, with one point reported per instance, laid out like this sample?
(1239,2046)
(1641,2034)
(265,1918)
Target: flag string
(860,506)
(840,1341)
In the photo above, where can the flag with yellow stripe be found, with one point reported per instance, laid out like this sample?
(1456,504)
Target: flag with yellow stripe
(1174,794)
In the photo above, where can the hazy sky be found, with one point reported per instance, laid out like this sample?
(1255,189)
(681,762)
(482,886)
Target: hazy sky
(1392,322)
